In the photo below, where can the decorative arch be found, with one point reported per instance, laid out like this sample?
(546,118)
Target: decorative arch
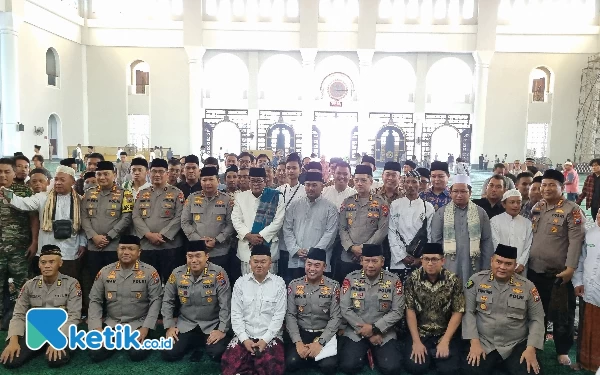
(140,76)
(227,135)
(449,80)
(394,80)
(54,134)
(226,77)
(280,77)
(52,67)
(542,83)
(281,136)
(214,117)
(390,145)
(460,123)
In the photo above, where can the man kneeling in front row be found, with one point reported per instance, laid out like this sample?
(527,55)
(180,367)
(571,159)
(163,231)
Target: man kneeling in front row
(132,292)
(504,318)
(50,289)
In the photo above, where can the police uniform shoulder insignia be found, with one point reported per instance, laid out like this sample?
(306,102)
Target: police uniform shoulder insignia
(535,294)
(172,279)
(577,216)
(155,277)
(345,286)
(221,279)
(399,287)
(98,275)
(77,289)
(470,284)
(181,197)
(385,210)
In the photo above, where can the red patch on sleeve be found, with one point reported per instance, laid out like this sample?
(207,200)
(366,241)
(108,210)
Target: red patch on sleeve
(345,285)
(181,197)
(385,210)
(399,287)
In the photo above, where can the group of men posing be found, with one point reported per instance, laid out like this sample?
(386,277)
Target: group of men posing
(134,240)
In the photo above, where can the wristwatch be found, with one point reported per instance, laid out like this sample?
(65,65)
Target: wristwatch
(322,341)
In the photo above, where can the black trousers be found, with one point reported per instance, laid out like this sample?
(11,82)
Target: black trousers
(594,212)
(222,261)
(28,354)
(563,332)
(293,362)
(93,262)
(195,339)
(444,365)
(165,261)
(494,360)
(353,356)
(344,268)
(282,266)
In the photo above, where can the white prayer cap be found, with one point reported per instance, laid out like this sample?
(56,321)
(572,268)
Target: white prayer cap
(64,169)
(511,193)
(461,179)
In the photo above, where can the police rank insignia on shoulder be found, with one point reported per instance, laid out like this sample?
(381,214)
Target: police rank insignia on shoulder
(470,284)
(535,294)
(399,287)
(172,279)
(577,216)
(98,275)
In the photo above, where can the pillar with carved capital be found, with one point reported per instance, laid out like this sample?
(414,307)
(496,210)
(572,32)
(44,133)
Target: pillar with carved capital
(9,84)
(365,60)
(196,66)
(483,59)
(308,98)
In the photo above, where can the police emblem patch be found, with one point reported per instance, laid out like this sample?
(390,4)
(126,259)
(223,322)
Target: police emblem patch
(345,286)
(470,284)
(535,294)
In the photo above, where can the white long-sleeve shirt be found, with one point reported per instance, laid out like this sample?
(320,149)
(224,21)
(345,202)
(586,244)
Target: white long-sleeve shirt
(37,202)
(242,217)
(309,225)
(588,270)
(290,194)
(515,232)
(337,197)
(258,309)
(406,218)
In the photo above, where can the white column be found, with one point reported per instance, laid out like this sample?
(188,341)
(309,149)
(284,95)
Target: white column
(195,55)
(84,93)
(483,60)
(9,85)
(365,61)
(308,98)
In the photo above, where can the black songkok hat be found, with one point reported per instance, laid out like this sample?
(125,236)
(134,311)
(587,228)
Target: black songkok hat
(530,159)
(68,162)
(293,157)
(260,250)
(368,159)
(209,171)
(411,164)
(392,166)
(192,159)
(363,169)
(140,161)
(50,250)
(537,179)
(335,160)
(372,250)
(424,172)
(194,246)
(159,163)
(506,251)
(317,254)
(128,239)
(258,172)
(439,166)
(554,175)
(433,248)
(232,168)
(89,175)
(106,166)
(314,176)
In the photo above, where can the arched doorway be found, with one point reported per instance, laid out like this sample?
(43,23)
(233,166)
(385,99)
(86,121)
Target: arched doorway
(281,137)
(390,145)
(53,136)
(316,141)
(226,138)
(445,140)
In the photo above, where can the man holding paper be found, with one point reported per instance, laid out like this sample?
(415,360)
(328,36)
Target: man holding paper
(313,317)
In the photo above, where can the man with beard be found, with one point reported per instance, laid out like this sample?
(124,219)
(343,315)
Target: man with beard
(313,316)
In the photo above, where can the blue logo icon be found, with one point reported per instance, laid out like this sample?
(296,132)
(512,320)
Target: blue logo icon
(43,326)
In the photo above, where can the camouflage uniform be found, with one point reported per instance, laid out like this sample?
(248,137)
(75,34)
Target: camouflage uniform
(15,238)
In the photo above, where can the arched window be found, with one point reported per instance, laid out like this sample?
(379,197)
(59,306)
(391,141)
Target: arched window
(52,67)
(449,80)
(53,134)
(226,77)
(540,83)
(280,77)
(394,80)
(140,76)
